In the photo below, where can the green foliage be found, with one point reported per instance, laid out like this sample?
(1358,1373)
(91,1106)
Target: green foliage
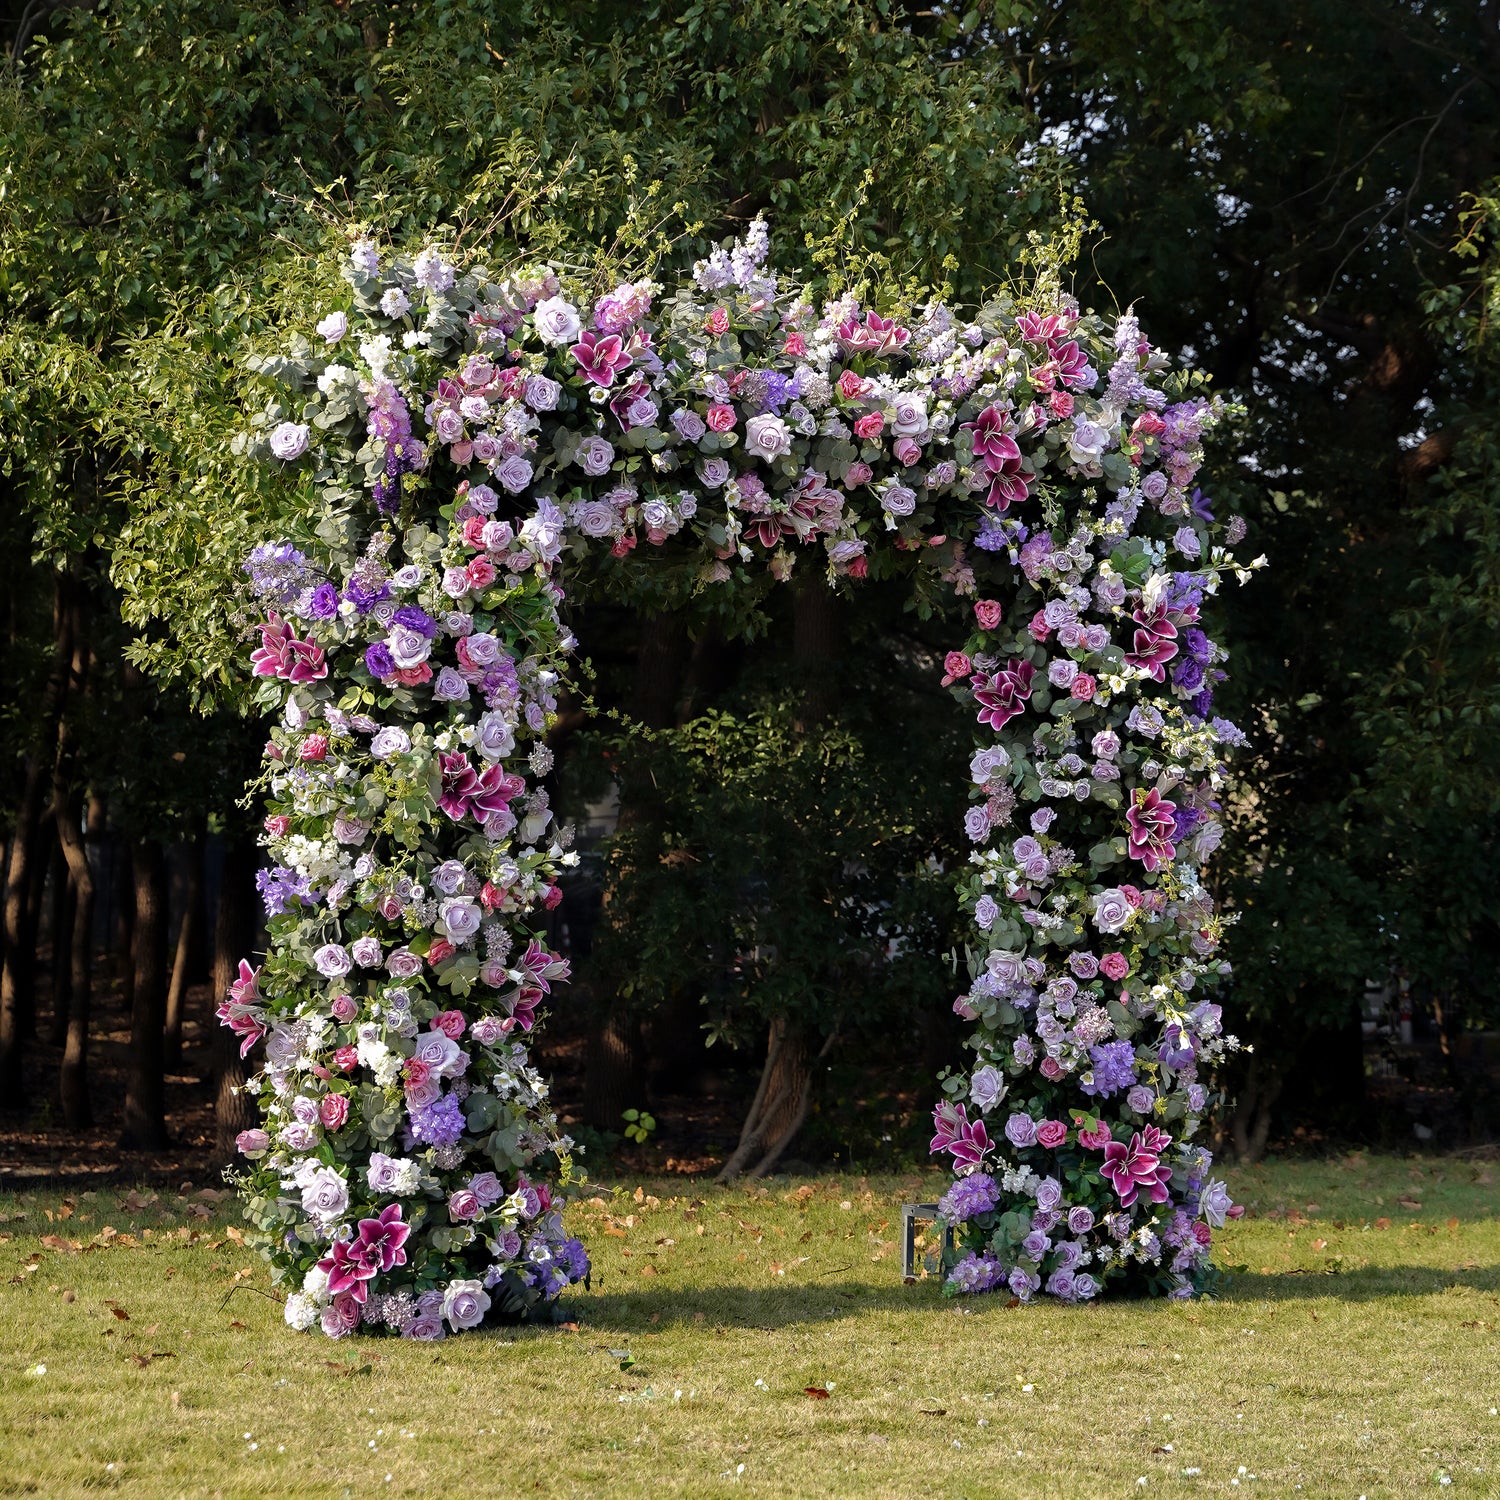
(638,1125)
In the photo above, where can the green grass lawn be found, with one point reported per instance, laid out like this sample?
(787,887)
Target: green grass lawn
(1357,1355)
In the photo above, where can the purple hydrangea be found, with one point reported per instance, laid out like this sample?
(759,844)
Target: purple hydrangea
(976,1273)
(1113,1071)
(278,572)
(440,1123)
(968,1198)
(279,886)
(415,618)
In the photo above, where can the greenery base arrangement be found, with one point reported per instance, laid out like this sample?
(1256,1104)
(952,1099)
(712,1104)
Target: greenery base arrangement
(451,438)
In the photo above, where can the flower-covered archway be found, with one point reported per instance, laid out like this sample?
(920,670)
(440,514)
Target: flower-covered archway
(453,438)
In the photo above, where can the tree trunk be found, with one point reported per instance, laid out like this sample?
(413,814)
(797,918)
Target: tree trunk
(145,1093)
(782,1101)
(234,931)
(1250,1124)
(119,861)
(784,1095)
(183,956)
(67,806)
(64,904)
(18,971)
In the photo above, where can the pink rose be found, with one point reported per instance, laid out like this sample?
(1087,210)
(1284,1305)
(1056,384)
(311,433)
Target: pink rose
(1114,966)
(1051,1068)
(403,964)
(720,417)
(870,425)
(450,1022)
(417,676)
(1051,1134)
(314,747)
(858,474)
(480,572)
(473,532)
(1131,894)
(907,452)
(1083,687)
(795,345)
(278,826)
(553,899)
(345,1059)
(252,1143)
(344,1009)
(1039,628)
(1061,403)
(989,613)
(441,948)
(333,1110)
(415,1072)
(850,385)
(955,666)
(717,322)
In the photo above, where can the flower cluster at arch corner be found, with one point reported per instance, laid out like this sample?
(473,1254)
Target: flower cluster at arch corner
(452,439)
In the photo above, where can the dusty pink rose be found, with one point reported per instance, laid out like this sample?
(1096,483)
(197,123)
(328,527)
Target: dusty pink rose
(450,1022)
(343,1007)
(989,613)
(480,572)
(717,321)
(956,666)
(314,747)
(870,425)
(1082,687)
(1114,966)
(278,826)
(441,948)
(850,385)
(720,417)
(464,1204)
(1051,1134)
(333,1110)
(907,451)
(858,474)
(346,1058)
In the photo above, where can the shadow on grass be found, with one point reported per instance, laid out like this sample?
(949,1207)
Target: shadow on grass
(764,1308)
(1366,1284)
(770,1309)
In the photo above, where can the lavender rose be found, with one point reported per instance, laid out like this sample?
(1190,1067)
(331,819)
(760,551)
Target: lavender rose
(465,1303)
(390,741)
(766,437)
(289,440)
(557,321)
(1111,910)
(366,951)
(332,961)
(595,455)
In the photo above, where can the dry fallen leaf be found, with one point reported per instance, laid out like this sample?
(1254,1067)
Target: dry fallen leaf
(1382,1223)
(649,1270)
(1411,1203)
(816,1392)
(121,1314)
(1320,1244)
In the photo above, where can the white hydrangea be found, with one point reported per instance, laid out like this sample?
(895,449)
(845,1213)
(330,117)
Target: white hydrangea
(300,1312)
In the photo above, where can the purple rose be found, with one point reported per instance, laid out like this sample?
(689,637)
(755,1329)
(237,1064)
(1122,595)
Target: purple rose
(595,455)
(450,687)
(1020,1130)
(541,393)
(465,1303)
(289,440)
(986,1087)
(514,473)
(1080,1220)
(252,1143)
(1048,1194)
(464,1204)
(1061,1284)
(390,740)
(486,1188)
(985,912)
(977,823)
(1035,1245)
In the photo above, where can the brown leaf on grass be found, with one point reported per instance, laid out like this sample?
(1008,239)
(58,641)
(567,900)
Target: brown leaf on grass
(1320,1244)
(816,1392)
(142,1360)
(805,1238)
(121,1314)
(1453,1223)
(801,1194)
(933,1411)
(1014,1302)
(649,1270)
(65,1209)
(1412,1203)
(236,1324)
(1382,1223)
(133,1203)
(200,1210)
(57,1242)
(566,1327)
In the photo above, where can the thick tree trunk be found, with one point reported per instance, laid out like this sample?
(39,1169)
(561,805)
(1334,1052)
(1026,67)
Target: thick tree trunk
(1250,1124)
(18,971)
(145,1124)
(183,956)
(234,931)
(67,805)
(64,904)
(784,1096)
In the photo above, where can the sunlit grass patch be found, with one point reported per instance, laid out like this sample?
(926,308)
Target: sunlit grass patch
(760,1340)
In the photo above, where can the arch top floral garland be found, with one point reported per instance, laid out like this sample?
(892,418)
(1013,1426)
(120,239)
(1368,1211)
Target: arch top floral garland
(455,438)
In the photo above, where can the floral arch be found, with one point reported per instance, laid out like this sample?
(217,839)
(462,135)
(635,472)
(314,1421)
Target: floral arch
(454,437)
